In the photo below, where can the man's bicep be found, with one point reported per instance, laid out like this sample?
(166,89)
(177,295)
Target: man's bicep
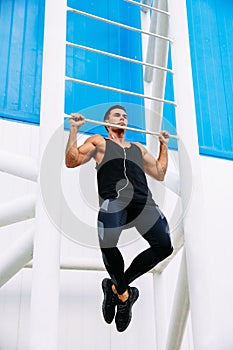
(86,152)
(150,165)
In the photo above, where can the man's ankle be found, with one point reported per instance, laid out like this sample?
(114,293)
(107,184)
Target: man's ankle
(123,297)
(114,289)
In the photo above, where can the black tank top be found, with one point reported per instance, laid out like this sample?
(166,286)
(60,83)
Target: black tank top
(121,174)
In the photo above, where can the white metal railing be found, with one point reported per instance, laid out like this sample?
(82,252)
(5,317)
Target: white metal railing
(16,257)
(80,81)
(148,7)
(78,46)
(70,9)
(146,64)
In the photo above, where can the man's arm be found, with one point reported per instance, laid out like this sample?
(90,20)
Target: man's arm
(157,168)
(76,156)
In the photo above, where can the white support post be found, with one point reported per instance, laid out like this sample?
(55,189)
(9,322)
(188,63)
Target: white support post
(193,205)
(46,258)
(180,309)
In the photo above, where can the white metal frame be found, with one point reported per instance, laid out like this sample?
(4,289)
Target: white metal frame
(46,257)
(187,130)
(118,24)
(45,290)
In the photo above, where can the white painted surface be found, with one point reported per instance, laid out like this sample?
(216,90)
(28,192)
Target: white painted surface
(81,325)
(80,318)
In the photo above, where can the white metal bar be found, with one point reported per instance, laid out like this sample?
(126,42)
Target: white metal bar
(44,317)
(194,231)
(157,52)
(20,166)
(148,7)
(180,309)
(150,52)
(19,209)
(122,127)
(117,24)
(119,57)
(16,256)
(74,263)
(79,81)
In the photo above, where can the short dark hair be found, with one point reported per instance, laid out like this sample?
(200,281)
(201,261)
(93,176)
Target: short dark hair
(109,111)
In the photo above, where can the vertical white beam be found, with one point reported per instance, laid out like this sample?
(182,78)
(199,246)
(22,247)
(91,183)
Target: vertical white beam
(193,205)
(46,259)
(180,309)
(161,318)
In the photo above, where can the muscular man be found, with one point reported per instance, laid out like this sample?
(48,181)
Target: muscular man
(125,201)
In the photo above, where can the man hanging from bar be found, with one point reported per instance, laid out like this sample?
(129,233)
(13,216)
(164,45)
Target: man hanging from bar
(125,201)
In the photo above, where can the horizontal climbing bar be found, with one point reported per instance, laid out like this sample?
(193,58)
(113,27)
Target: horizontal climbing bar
(123,127)
(148,7)
(79,81)
(70,9)
(87,48)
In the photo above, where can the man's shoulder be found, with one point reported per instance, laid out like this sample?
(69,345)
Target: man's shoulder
(95,139)
(139,145)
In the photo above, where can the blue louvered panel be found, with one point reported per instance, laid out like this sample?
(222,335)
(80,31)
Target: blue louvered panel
(211,30)
(21,37)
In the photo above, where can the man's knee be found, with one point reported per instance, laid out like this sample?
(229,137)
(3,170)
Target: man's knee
(164,252)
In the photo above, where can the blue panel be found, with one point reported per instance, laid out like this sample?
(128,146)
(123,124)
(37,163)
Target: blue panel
(21,37)
(211,32)
(169,119)
(96,68)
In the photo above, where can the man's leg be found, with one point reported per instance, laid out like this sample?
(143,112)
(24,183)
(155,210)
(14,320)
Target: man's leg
(157,234)
(111,220)
(114,264)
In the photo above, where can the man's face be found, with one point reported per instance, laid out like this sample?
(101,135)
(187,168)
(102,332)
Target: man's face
(118,116)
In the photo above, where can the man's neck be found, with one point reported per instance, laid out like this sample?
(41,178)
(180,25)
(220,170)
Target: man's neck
(118,137)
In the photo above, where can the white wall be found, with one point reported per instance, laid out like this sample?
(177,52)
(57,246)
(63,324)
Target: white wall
(217,177)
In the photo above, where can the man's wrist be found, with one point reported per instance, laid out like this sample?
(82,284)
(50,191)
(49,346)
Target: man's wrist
(163,144)
(74,128)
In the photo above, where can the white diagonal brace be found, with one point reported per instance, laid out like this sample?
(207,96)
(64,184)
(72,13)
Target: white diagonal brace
(16,210)
(180,309)
(16,256)
(25,167)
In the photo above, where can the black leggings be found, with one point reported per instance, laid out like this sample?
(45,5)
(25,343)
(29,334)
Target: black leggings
(114,216)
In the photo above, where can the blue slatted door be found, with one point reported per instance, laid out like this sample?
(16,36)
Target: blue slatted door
(21,37)
(211,43)
(85,65)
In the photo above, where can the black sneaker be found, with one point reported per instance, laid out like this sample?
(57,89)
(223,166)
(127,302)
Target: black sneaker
(109,302)
(124,310)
